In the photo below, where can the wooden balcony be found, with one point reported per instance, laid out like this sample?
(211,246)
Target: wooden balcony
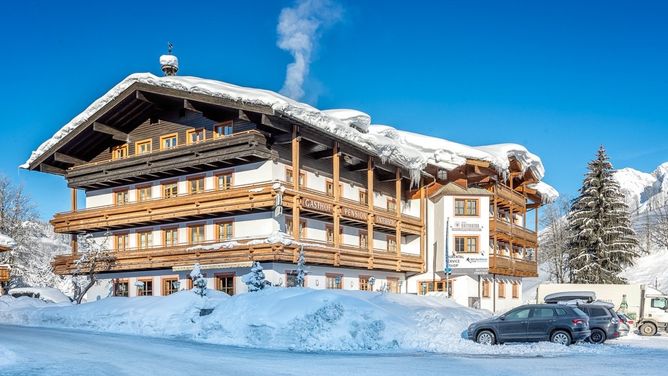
(157,211)
(508,195)
(242,251)
(518,235)
(239,148)
(506,265)
(4,273)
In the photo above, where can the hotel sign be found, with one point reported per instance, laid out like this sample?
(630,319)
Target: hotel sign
(386,221)
(316,205)
(227,265)
(353,213)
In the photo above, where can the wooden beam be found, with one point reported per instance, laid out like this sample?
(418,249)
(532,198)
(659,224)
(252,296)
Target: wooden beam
(478,163)
(64,158)
(369,198)
(243,115)
(282,139)
(397,188)
(142,97)
(270,122)
(323,154)
(358,167)
(113,132)
(296,234)
(51,169)
(190,106)
(73,197)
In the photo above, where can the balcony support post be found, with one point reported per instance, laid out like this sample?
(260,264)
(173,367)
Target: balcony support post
(296,234)
(73,240)
(336,164)
(397,187)
(423,221)
(370,217)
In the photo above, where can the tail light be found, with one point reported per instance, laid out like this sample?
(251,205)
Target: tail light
(578,321)
(614,321)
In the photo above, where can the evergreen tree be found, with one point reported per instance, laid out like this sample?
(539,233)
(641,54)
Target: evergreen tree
(301,273)
(255,280)
(199,282)
(601,241)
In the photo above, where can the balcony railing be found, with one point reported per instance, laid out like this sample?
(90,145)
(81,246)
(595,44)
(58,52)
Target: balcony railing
(249,249)
(499,264)
(513,232)
(508,194)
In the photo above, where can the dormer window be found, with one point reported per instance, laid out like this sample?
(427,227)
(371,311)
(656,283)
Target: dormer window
(195,136)
(168,141)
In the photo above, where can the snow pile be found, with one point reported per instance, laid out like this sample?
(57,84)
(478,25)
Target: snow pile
(412,151)
(282,318)
(47,294)
(7,357)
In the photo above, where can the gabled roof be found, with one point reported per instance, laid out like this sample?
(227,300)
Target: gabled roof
(411,151)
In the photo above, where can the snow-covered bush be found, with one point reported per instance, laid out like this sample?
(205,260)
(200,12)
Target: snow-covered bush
(255,280)
(199,282)
(301,273)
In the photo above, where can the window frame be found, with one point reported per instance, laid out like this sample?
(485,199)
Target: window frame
(119,281)
(501,289)
(139,143)
(175,183)
(149,239)
(164,236)
(288,230)
(174,135)
(164,281)
(392,284)
(145,280)
(332,277)
(119,148)
(217,282)
(190,233)
(466,239)
(126,236)
(126,191)
(191,179)
(391,204)
(217,176)
(290,172)
(222,126)
(140,188)
(515,290)
(363,234)
(363,196)
(190,132)
(387,243)
(217,229)
(363,281)
(486,289)
(466,200)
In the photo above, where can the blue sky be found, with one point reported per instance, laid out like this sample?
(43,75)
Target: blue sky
(560,78)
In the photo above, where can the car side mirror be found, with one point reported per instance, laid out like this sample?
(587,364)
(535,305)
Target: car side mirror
(502,317)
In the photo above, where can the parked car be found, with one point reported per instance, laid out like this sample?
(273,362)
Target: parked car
(626,322)
(556,323)
(603,321)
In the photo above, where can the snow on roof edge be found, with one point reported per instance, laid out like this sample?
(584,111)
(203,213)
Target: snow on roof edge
(409,150)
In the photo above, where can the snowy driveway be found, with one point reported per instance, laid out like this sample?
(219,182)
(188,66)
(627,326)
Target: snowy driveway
(40,351)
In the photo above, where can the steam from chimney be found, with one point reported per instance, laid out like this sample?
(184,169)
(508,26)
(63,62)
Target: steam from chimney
(299,29)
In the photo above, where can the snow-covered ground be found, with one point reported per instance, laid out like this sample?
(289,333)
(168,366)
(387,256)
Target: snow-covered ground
(286,332)
(55,352)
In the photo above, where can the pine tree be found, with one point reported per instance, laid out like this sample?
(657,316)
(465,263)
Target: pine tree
(255,280)
(301,273)
(601,241)
(199,282)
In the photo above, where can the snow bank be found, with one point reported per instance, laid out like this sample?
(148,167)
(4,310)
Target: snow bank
(7,357)
(282,318)
(410,150)
(47,294)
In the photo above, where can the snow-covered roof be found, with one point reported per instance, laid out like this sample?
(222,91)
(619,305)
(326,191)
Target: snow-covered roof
(6,242)
(409,150)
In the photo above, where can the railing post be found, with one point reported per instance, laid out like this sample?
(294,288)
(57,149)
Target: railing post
(296,234)
(74,243)
(370,217)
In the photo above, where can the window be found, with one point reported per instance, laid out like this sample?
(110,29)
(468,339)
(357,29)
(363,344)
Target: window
(224,181)
(502,289)
(144,193)
(364,239)
(334,281)
(518,314)
(660,303)
(516,290)
(438,286)
(121,197)
(196,234)
(143,147)
(121,242)
(466,244)
(543,313)
(121,288)
(485,289)
(302,227)
(561,312)
(391,204)
(144,239)
(291,278)
(329,234)
(195,136)
(466,207)
(168,141)
(170,286)
(598,312)
(170,237)
(363,197)
(391,243)
(222,130)
(196,185)
(224,231)
(145,287)
(364,283)
(170,189)
(225,283)
(119,152)
(289,176)
(329,188)
(393,285)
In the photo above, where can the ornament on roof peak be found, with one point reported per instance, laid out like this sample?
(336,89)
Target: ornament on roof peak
(169,63)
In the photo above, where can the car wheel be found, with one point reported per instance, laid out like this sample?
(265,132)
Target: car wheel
(597,336)
(486,337)
(647,329)
(561,337)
